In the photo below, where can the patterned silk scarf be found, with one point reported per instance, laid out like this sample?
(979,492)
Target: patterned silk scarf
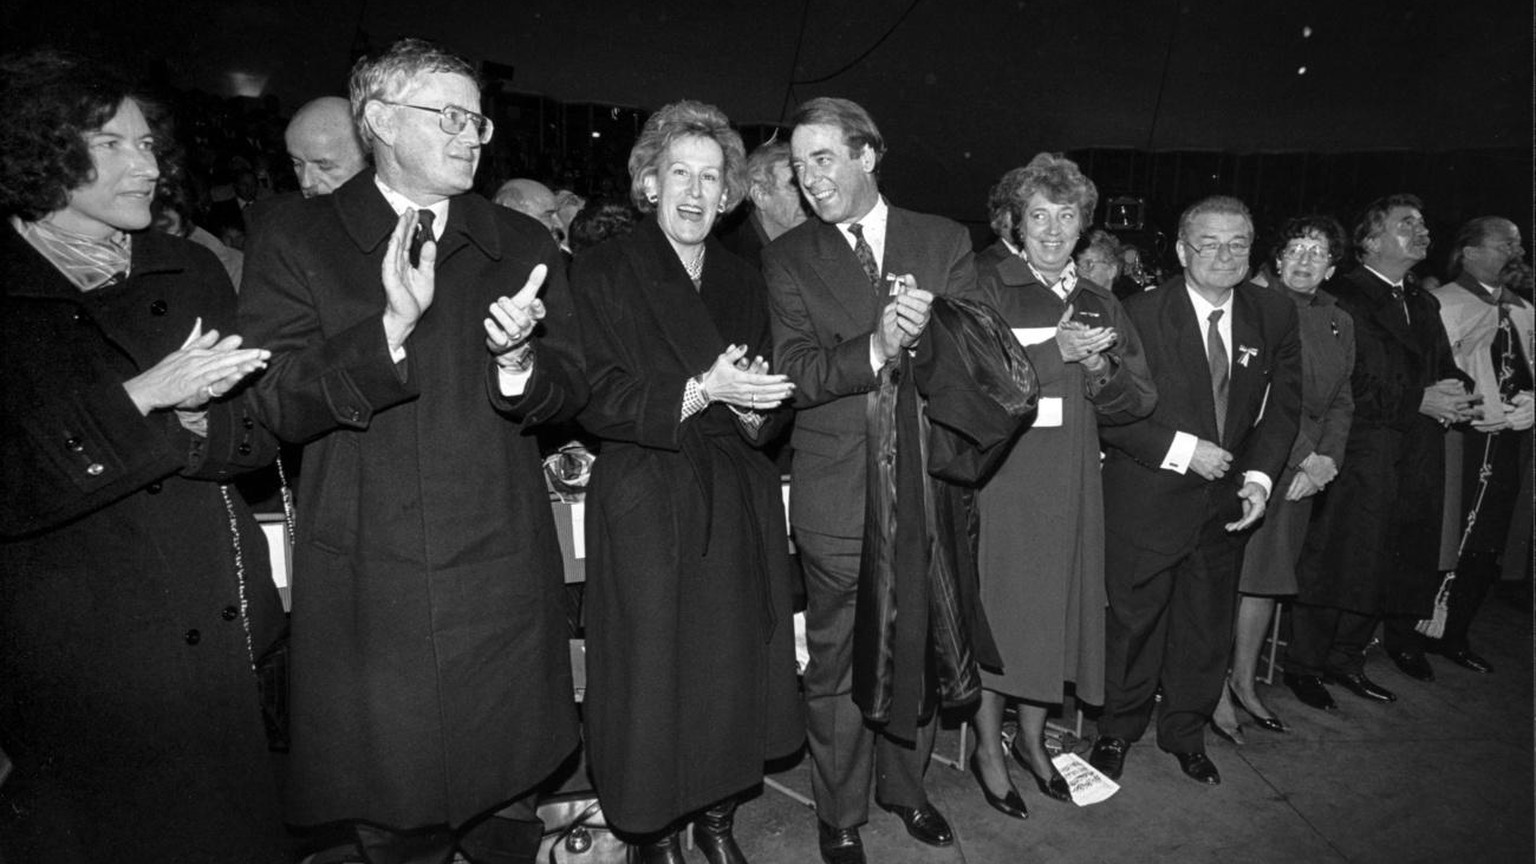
(88,262)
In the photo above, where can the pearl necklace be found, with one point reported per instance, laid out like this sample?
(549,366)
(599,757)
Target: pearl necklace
(695,267)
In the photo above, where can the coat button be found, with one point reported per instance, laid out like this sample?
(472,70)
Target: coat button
(245,449)
(158,307)
(153,488)
(248,423)
(351,413)
(95,468)
(193,637)
(82,318)
(230,613)
(74,444)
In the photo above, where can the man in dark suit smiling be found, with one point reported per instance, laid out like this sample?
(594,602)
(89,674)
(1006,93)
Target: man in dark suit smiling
(836,327)
(1182,485)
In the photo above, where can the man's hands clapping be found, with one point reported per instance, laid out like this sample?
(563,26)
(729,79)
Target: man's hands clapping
(407,290)
(903,319)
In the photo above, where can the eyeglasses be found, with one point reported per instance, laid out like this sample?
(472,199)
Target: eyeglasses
(452,119)
(1236,248)
(1309,252)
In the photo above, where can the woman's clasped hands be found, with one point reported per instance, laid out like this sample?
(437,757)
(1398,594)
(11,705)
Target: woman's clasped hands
(204,367)
(735,380)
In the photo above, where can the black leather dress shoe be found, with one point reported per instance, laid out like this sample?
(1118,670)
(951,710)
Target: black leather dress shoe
(839,845)
(1358,684)
(1467,659)
(1413,664)
(925,824)
(1108,755)
(1198,766)
(1310,691)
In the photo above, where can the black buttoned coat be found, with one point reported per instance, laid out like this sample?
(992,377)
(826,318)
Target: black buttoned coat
(127,697)
(431,674)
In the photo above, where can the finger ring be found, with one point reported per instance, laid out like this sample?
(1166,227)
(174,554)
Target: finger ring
(754,400)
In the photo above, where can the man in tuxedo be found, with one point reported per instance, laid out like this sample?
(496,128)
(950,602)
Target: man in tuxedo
(1373,548)
(776,204)
(431,681)
(836,326)
(1182,485)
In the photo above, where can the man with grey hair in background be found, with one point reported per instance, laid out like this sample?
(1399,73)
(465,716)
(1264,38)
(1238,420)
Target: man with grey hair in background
(431,682)
(776,204)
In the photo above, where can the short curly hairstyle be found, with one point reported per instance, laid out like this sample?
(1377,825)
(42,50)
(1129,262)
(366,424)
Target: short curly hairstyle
(599,221)
(49,101)
(386,76)
(1000,203)
(687,119)
(1301,227)
(1058,179)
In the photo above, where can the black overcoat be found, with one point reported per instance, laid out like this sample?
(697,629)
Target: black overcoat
(127,697)
(690,646)
(1373,544)
(431,674)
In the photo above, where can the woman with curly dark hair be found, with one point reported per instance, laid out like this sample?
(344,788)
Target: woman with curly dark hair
(690,652)
(135,595)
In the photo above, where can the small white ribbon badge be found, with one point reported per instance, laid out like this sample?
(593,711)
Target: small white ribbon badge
(1244,354)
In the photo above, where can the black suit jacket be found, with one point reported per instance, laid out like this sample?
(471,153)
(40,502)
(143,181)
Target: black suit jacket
(824,311)
(1161,510)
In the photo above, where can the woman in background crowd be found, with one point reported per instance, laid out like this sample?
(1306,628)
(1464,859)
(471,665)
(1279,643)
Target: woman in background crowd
(1304,258)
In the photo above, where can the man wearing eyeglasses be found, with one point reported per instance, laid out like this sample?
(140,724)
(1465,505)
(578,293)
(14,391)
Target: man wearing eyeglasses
(431,680)
(1183,485)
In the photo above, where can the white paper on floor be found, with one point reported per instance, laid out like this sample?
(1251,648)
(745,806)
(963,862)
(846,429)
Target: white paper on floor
(1089,786)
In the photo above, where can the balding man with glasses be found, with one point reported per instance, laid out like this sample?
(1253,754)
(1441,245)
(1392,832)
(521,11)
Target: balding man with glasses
(1183,486)
(416,332)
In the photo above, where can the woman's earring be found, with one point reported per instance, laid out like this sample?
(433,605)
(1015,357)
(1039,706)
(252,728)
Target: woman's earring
(650,197)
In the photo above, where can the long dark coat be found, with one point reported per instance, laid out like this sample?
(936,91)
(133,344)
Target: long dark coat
(1041,543)
(431,674)
(1373,546)
(690,652)
(127,697)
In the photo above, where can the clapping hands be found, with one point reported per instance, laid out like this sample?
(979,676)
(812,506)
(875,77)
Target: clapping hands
(746,384)
(204,367)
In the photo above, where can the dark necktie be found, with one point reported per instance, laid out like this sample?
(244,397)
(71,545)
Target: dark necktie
(423,234)
(1216,355)
(1399,299)
(865,255)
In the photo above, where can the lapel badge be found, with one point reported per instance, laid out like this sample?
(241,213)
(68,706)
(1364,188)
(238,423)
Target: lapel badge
(1244,354)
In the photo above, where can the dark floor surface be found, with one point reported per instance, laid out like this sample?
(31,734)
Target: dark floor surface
(1442,775)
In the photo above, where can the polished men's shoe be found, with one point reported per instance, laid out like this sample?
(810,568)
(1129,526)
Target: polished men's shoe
(1010,803)
(1108,755)
(1198,766)
(1413,664)
(1358,684)
(924,823)
(1309,690)
(713,834)
(839,845)
(666,850)
(1467,659)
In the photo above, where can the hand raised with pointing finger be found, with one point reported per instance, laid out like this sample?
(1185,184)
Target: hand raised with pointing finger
(513,319)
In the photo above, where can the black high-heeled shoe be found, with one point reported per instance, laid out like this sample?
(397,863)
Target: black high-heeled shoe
(1055,787)
(1010,804)
(1234,737)
(1271,723)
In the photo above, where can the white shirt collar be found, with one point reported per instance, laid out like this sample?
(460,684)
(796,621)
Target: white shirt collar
(873,224)
(399,203)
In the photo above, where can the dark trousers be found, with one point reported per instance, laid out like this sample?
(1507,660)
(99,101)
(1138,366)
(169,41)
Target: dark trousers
(845,750)
(509,836)
(1499,454)
(1325,639)
(1169,622)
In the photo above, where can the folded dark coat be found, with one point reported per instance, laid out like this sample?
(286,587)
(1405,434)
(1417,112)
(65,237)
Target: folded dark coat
(918,555)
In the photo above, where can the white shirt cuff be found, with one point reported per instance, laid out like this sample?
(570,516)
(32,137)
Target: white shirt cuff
(397,354)
(1260,478)
(874,358)
(1180,452)
(512,383)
